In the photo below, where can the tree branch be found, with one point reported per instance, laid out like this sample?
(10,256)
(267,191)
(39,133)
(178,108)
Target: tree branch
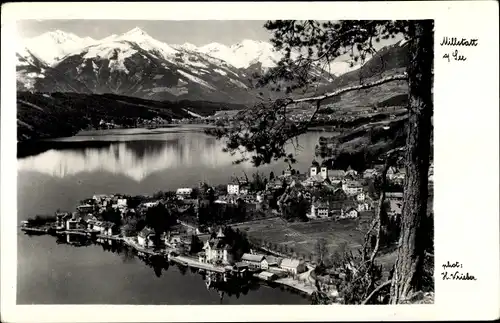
(375,291)
(398,77)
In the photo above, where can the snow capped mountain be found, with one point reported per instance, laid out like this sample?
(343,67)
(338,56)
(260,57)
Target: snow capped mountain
(54,45)
(135,64)
(244,54)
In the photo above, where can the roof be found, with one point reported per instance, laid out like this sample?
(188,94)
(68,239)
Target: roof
(241,265)
(217,243)
(146,232)
(290,263)
(266,274)
(336,172)
(273,260)
(253,258)
(322,205)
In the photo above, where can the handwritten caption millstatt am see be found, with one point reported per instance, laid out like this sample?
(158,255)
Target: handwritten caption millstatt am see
(455,54)
(453,271)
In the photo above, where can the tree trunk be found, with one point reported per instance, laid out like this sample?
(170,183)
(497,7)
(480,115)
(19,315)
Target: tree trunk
(406,277)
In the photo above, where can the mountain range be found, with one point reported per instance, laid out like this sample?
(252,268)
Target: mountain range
(135,64)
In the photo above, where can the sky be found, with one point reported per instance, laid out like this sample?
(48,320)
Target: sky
(197,32)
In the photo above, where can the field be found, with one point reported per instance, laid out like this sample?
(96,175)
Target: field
(301,237)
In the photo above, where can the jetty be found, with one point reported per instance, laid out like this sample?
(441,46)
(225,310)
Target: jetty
(190,262)
(35,230)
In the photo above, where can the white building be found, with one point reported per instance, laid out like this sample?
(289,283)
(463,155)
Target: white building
(184,192)
(324,172)
(352,188)
(233,188)
(361,197)
(215,250)
(293,266)
(319,210)
(350,213)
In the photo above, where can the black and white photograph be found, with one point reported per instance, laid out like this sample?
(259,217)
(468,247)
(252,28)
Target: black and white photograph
(228,162)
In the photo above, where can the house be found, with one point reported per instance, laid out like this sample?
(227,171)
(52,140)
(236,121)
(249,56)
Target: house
(351,173)
(316,180)
(147,205)
(265,275)
(215,250)
(293,266)
(361,197)
(370,173)
(314,169)
(233,188)
(121,203)
(72,224)
(184,192)
(364,206)
(275,184)
(244,190)
(254,261)
(145,237)
(391,172)
(320,210)
(349,213)
(352,188)
(287,172)
(271,262)
(85,208)
(324,172)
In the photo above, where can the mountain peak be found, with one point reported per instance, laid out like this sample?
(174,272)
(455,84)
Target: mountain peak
(136,31)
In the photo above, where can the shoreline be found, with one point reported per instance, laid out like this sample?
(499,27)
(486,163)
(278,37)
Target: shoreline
(182,260)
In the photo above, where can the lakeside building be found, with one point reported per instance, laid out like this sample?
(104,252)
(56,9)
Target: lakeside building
(215,250)
(145,237)
(293,266)
(256,261)
(184,192)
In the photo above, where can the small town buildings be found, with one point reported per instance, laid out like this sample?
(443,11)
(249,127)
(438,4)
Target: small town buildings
(351,173)
(370,173)
(314,169)
(72,224)
(349,213)
(265,275)
(85,208)
(254,261)
(336,176)
(293,266)
(145,237)
(233,188)
(271,262)
(316,180)
(352,188)
(320,210)
(361,197)
(324,172)
(275,184)
(184,192)
(215,250)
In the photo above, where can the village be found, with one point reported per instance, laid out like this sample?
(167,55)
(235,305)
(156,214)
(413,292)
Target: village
(223,229)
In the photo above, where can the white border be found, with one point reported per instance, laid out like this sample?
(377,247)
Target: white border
(466,159)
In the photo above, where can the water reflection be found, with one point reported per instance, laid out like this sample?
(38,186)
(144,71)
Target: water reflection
(138,159)
(224,285)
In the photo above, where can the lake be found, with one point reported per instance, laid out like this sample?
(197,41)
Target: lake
(131,161)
